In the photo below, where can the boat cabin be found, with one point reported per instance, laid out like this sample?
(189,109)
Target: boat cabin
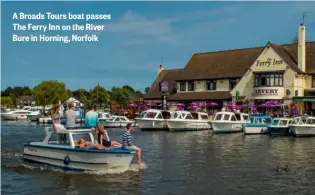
(68,137)
(118,119)
(156,114)
(189,115)
(230,116)
(282,122)
(310,121)
(260,119)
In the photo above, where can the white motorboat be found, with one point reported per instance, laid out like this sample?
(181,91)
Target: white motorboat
(228,122)
(117,121)
(257,124)
(58,149)
(103,116)
(15,115)
(303,126)
(153,119)
(280,126)
(188,121)
(35,114)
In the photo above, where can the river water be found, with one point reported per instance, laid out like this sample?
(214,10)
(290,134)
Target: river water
(176,163)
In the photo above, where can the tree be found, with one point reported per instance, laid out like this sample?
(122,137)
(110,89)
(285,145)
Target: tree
(50,92)
(81,94)
(7,101)
(128,88)
(19,91)
(120,95)
(146,89)
(99,95)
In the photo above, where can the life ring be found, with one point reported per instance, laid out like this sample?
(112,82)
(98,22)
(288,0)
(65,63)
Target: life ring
(66,160)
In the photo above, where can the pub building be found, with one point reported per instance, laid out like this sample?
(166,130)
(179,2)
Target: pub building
(285,73)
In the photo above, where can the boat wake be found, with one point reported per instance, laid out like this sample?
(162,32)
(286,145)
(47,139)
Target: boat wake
(24,167)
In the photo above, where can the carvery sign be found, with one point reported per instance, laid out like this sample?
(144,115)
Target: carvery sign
(266,91)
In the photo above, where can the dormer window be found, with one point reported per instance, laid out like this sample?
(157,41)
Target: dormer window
(211,85)
(191,86)
(182,86)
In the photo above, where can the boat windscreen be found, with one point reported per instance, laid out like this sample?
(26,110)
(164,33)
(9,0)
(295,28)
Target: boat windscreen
(275,122)
(204,117)
(310,121)
(195,116)
(143,114)
(218,117)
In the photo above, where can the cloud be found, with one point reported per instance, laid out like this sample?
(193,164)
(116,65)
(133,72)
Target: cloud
(134,23)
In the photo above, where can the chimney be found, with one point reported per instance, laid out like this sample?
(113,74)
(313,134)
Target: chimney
(160,69)
(301,48)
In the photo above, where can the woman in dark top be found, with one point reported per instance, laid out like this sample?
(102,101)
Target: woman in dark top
(100,136)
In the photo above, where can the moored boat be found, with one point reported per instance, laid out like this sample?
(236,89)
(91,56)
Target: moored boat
(257,124)
(58,149)
(228,122)
(280,126)
(187,121)
(303,129)
(15,115)
(117,121)
(153,119)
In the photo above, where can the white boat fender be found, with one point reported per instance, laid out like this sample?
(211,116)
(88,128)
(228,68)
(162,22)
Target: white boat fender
(66,160)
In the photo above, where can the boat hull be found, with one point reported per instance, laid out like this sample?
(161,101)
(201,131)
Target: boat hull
(187,125)
(226,127)
(45,120)
(77,159)
(14,116)
(152,125)
(255,130)
(33,117)
(303,130)
(279,131)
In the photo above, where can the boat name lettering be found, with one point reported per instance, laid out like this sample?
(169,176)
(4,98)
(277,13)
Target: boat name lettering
(269,62)
(31,149)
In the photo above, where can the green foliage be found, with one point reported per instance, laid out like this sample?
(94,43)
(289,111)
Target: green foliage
(82,95)
(13,98)
(7,101)
(146,89)
(128,88)
(121,95)
(19,91)
(99,96)
(50,92)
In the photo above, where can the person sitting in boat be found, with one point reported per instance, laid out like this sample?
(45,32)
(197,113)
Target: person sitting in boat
(100,132)
(128,145)
(56,119)
(87,144)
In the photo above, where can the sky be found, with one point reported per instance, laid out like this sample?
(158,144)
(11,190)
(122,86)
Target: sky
(130,48)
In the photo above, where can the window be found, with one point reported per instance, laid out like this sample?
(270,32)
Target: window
(123,119)
(268,79)
(159,116)
(182,86)
(226,117)
(204,117)
(86,137)
(143,114)
(117,119)
(151,115)
(238,117)
(188,116)
(59,139)
(313,81)
(191,86)
(283,122)
(275,122)
(233,83)
(211,85)
(233,118)
(245,117)
(218,117)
